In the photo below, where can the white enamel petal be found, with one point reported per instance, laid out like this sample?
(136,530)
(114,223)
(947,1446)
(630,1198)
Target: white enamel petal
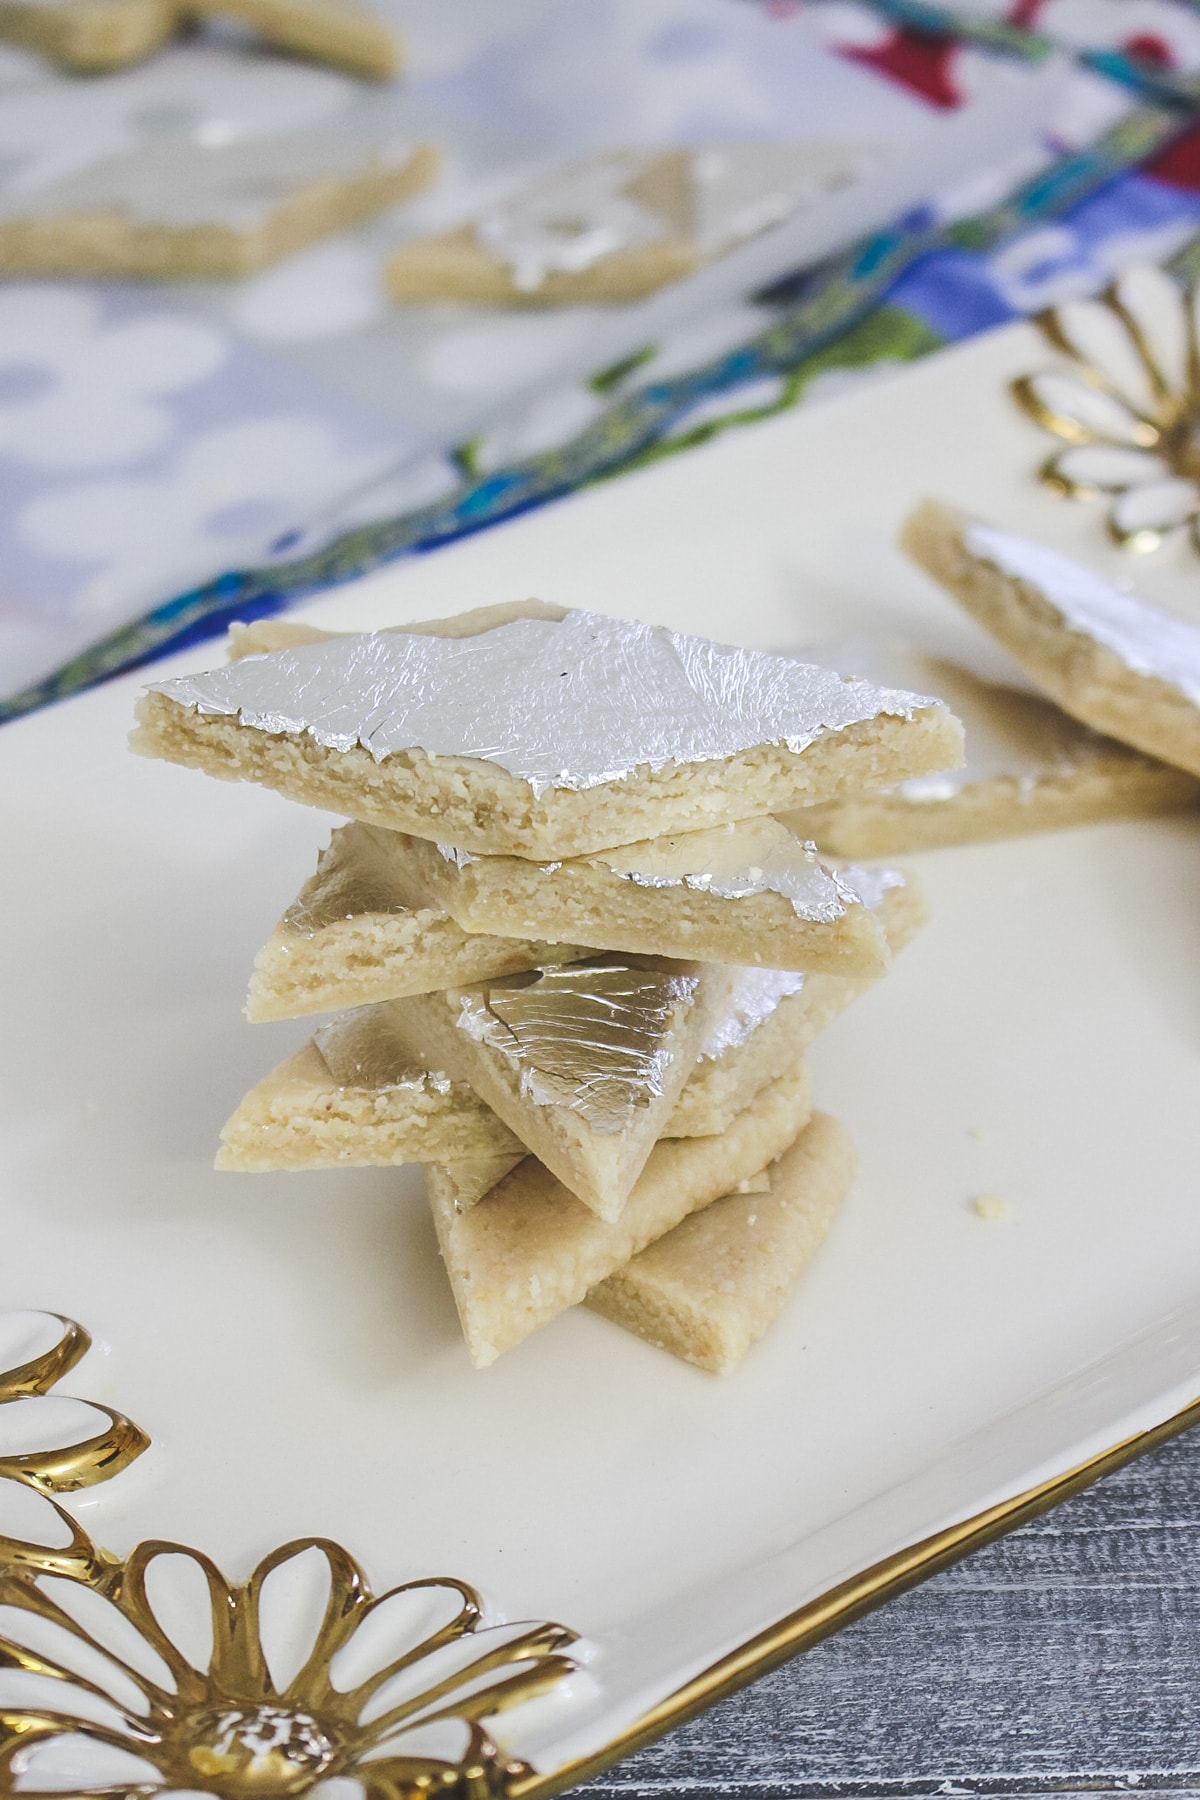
(1109,467)
(338,1787)
(23,1691)
(1100,340)
(108,1627)
(179,1597)
(395,1625)
(74,1761)
(1157,308)
(442,1740)
(27,1336)
(68,1651)
(47,1422)
(30,1518)
(456,1659)
(1159,506)
(1093,414)
(291,1606)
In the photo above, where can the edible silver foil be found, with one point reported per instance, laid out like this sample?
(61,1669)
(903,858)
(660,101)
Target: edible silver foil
(753,997)
(753,994)
(361,871)
(591,1037)
(362,1049)
(869,884)
(733,862)
(571,703)
(1148,641)
(1011,733)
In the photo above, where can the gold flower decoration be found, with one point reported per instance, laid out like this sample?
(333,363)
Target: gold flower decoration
(156,1676)
(51,1443)
(1126,404)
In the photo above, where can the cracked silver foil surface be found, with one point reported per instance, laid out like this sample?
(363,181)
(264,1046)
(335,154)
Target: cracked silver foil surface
(591,1037)
(571,703)
(1147,640)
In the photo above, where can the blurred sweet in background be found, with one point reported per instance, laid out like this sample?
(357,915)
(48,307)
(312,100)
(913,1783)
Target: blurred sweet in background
(289,288)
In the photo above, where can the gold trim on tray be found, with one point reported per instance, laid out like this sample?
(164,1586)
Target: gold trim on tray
(842,1605)
(110,1686)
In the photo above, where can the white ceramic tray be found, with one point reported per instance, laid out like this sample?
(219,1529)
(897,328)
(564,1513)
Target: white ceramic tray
(289,1346)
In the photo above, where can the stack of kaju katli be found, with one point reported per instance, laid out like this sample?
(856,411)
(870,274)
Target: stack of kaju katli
(582,957)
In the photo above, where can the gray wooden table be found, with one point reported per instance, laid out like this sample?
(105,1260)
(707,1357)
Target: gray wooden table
(1064,1657)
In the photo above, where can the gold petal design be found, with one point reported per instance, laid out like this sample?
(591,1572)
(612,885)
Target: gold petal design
(245,1662)
(75,1466)
(1080,411)
(1154,311)
(463,1626)
(1086,470)
(480,1775)
(1133,385)
(393,1627)
(42,1372)
(1096,337)
(448,1683)
(76,1556)
(1141,517)
(67,1679)
(36,1640)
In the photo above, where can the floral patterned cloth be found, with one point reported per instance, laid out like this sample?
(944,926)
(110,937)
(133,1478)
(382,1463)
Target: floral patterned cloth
(296,428)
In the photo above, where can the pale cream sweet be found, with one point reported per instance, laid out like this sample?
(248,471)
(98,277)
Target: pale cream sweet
(1029,767)
(89,35)
(1108,658)
(709,1289)
(360,931)
(584,1064)
(186,209)
(307,1114)
(356,1095)
(751,892)
(543,738)
(339,32)
(623,223)
(527,1250)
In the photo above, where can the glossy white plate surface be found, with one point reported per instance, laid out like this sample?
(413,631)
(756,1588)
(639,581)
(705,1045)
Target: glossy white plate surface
(289,1343)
